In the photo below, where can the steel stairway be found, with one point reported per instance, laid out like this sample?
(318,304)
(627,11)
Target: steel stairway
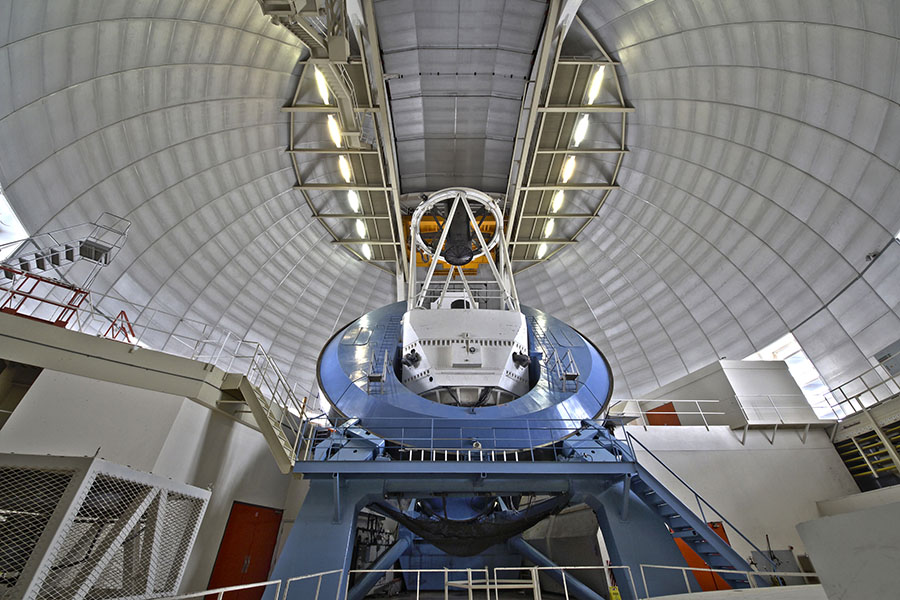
(693,530)
(681,521)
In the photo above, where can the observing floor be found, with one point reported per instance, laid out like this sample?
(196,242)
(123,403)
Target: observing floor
(798,592)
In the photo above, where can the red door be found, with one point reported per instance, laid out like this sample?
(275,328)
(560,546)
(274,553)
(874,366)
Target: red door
(245,553)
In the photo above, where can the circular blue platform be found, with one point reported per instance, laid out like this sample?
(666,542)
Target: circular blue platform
(552,410)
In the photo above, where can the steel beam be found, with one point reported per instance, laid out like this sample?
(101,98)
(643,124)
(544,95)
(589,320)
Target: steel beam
(352,216)
(542,63)
(591,108)
(326,108)
(561,216)
(441,470)
(583,151)
(363,241)
(567,187)
(330,151)
(588,62)
(538,242)
(340,187)
(571,586)
(377,570)
(375,73)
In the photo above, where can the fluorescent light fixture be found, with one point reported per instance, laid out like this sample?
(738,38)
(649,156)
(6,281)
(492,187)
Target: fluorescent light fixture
(568,169)
(542,250)
(596,84)
(558,198)
(353,200)
(334,130)
(321,85)
(367,251)
(344,166)
(360,228)
(549,227)
(580,130)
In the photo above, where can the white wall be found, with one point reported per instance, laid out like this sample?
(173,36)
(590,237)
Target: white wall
(856,554)
(151,431)
(761,488)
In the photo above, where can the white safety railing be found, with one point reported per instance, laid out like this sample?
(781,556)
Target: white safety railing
(484,582)
(626,411)
(874,386)
(111,316)
(565,575)
(220,593)
(754,578)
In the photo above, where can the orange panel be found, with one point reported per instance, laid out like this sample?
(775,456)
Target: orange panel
(664,415)
(708,581)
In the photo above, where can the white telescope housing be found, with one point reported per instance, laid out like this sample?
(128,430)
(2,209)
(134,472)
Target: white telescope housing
(456,351)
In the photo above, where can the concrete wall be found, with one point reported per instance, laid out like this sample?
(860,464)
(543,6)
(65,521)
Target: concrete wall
(151,431)
(860,501)
(856,553)
(761,488)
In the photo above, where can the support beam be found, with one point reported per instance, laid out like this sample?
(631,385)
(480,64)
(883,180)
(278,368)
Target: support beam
(591,108)
(569,583)
(326,108)
(369,242)
(385,133)
(331,151)
(547,48)
(538,242)
(340,187)
(562,216)
(587,62)
(353,216)
(381,564)
(583,151)
(573,186)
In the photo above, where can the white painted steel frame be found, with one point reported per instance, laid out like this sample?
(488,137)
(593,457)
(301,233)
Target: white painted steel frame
(85,471)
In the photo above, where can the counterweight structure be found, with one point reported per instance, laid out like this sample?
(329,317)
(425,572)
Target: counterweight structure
(468,418)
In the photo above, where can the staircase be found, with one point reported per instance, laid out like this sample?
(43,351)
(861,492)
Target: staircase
(280,415)
(383,355)
(683,523)
(868,460)
(692,530)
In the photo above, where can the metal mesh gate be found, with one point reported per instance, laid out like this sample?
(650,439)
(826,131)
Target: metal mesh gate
(80,528)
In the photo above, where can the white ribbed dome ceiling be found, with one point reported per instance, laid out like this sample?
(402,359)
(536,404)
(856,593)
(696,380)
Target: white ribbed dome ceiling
(763,169)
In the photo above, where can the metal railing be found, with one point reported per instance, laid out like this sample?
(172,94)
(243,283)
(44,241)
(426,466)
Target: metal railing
(113,317)
(627,412)
(872,387)
(219,593)
(564,574)
(490,582)
(773,577)
(497,440)
(768,410)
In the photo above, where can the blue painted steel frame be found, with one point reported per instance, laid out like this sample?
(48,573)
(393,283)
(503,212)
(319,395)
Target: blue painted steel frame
(544,415)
